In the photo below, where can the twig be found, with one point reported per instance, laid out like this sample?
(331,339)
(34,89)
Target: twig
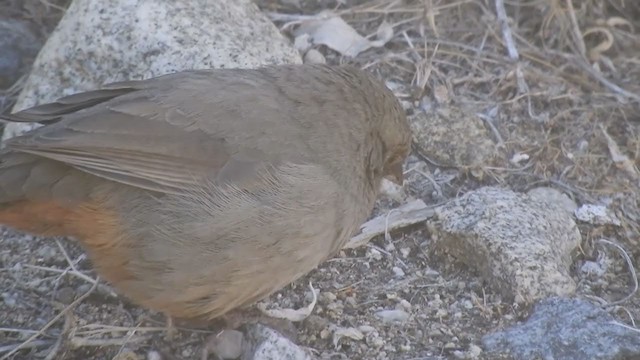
(625,326)
(494,130)
(31,345)
(68,321)
(634,277)
(621,160)
(77,274)
(78,342)
(506,30)
(604,81)
(575,27)
(23,331)
(633,321)
(433,182)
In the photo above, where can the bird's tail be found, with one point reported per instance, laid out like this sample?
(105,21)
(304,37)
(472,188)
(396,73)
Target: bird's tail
(30,187)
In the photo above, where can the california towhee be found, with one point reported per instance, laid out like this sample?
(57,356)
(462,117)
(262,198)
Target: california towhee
(199,192)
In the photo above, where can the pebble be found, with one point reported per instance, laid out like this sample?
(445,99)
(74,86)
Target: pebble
(227,344)
(375,254)
(405,305)
(327,297)
(398,272)
(66,295)
(366,328)
(314,56)
(391,316)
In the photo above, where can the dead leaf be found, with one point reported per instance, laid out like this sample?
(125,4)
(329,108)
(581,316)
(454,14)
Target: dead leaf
(342,332)
(332,31)
(293,315)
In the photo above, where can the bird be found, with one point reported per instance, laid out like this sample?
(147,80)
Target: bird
(200,192)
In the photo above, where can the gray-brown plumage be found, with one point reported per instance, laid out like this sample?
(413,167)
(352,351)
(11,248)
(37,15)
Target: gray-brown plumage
(202,191)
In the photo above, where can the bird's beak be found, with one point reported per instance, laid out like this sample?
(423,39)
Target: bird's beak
(395,174)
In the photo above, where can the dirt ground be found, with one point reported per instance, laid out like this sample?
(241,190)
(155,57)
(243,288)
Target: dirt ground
(565,93)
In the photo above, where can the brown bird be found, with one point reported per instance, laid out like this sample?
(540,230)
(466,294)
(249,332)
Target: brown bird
(199,192)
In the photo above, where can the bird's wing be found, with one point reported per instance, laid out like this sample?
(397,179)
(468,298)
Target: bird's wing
(140,134)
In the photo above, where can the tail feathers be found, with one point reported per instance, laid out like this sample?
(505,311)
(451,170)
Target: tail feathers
(15,170)
(30,177)
(38,195)
(52,112)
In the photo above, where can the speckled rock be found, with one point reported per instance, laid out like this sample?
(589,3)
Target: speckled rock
(552,195)
(450,136)
(521,244)
(566,329)
(97,42)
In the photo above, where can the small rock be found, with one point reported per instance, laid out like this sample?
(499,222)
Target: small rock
(327,297)
(228,344)
(441,313)
(375,341)
(467,304)
(405,251)
(474,351)
(83,289)
(154,355)
(314,56)
(519,157)
(374,254)
(66,295)
(336,306)
(553,196)
(596,215)
(595,269)
(47,253)
(520,244)
(316,323)
(366,328)
(9,299)
(398,272)
(351,301)
(453,137)
(393,316)
(404,305)
(566,329)
(186,353)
